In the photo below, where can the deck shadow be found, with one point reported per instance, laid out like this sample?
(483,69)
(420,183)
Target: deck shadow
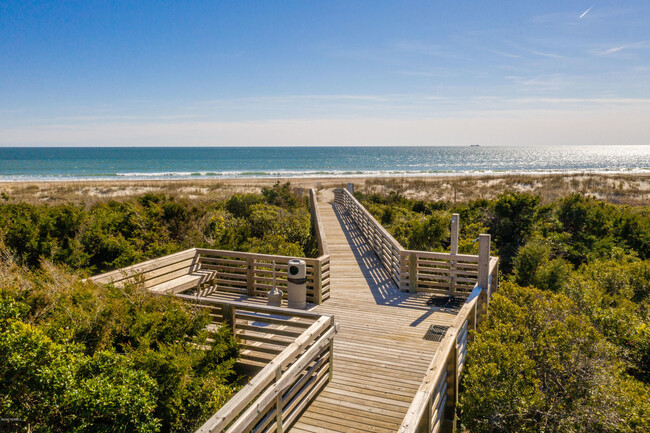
(383,288)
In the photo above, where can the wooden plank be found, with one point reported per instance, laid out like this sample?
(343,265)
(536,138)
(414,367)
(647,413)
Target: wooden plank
(129,271)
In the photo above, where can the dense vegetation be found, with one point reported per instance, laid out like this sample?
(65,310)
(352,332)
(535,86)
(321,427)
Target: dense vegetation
(113,234)
(75,357)
(566,346)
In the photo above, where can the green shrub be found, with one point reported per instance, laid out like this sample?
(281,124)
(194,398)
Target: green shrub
(538,364)
(90,358)
(114,234)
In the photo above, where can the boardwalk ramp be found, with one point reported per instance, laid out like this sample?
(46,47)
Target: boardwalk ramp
(383,347)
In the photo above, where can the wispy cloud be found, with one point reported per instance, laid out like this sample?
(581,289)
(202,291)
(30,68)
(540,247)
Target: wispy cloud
(549,55)
(504,54)
(635,45)
(547,82)
(12,110)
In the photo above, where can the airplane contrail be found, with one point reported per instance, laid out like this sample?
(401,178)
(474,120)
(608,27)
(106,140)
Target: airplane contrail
(586,12)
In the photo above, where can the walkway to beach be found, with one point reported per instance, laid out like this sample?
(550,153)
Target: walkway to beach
(382,349)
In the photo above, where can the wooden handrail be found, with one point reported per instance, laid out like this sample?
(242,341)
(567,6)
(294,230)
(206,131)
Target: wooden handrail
(242,254)
(128,271)
(251,274)
(317,223)
(391,254)
(435,401)
(254,307)
(304,366)
(368,215)
(418,271)
(450,355)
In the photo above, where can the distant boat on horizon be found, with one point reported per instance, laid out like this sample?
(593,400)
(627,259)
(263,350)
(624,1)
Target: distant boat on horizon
(473,145)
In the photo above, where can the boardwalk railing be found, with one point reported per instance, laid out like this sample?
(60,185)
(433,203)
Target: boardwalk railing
(475,276)
(391,254)
(295,347)
(317,224)
(207,270)
(252,274)
(434,407)
(418,271)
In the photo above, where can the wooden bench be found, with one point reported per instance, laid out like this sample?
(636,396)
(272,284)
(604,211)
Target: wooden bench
(171,274)
(248,274)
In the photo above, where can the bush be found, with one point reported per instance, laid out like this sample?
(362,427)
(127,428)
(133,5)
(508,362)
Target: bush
(112,234)
(533,266)
(90,358)
(54,387)
(537,364)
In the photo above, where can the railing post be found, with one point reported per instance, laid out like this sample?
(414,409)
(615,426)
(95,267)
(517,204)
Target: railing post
(351,187)
(471,323)
(278,401)
(413,272)
(331,366)
(483,271)
(483,261)
(455,228)
(494,284)
(229,314)
(449,415)
(250,281)
(318,282)
(429,412)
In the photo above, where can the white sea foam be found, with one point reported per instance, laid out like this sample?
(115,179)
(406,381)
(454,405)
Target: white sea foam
(181,175)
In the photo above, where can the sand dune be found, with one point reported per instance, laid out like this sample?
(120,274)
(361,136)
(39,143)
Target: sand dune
(632,189)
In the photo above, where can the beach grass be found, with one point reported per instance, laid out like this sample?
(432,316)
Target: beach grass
(630,189)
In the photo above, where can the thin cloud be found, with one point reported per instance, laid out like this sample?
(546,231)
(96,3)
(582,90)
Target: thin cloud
(549,55)
(417,74)
(504,54)
(553,81)
(640,44)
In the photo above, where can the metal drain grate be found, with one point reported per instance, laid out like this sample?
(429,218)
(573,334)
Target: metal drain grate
(436,333)
(445,302)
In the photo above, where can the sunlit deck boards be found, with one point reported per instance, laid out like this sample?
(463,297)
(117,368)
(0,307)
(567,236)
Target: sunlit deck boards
(380,353)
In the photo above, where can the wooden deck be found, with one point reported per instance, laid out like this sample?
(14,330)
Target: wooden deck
(389,372)
(381,352)
(382,349)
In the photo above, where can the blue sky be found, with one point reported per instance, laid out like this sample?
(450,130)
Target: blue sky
(319,73)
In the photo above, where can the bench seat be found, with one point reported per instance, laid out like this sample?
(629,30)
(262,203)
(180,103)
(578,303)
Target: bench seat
(186,282)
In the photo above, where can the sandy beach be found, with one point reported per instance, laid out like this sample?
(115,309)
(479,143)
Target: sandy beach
(631,189)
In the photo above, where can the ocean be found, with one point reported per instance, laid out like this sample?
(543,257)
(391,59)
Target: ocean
(85,163)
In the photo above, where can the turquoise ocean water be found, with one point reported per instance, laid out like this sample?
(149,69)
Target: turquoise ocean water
(20,164)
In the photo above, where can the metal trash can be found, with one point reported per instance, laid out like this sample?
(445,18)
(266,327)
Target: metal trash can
(297,284)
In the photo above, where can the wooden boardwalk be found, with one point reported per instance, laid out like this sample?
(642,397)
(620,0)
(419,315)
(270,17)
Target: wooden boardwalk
(382,349)
(383,354)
